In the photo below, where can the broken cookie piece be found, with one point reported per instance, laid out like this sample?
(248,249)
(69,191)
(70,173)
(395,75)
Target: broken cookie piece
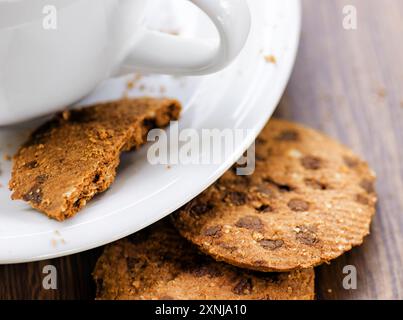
(74,156)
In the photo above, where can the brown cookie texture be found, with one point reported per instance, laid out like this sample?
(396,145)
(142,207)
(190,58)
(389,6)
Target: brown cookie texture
(74,156)
(158,264)
(309,200)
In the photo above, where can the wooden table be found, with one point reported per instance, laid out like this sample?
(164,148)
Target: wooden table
(348,83)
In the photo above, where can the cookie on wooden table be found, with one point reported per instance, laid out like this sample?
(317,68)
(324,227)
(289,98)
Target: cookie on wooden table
(74,156)
(157,263)
(309,200)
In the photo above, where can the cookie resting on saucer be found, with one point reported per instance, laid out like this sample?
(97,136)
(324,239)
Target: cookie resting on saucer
(309,200)
(74,156)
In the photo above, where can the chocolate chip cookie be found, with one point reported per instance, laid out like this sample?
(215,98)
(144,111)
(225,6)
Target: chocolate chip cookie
(157,263)
(309,200)
(74,156)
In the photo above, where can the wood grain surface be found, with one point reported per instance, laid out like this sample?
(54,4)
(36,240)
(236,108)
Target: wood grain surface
(347,83)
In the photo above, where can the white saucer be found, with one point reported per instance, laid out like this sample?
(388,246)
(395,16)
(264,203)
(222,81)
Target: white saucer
(243,96)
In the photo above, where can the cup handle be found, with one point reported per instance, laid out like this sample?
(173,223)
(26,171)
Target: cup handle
(158,52)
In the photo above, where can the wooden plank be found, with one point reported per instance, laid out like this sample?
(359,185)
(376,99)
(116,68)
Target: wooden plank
(349,84)
(74,280)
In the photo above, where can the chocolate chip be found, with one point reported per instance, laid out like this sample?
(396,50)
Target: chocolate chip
(41,179)
(207,270)
(288,135)
(80,116)
(31,165)
(315,184)
(260,140)
(96,178)
(269,244)
(227,246)
(311,162)
(78,203)
(34,195)
(259,263)
(260,157)
(173,108)
(265,191)
(367,185)
(265,208)
(200,208)
(306,235)
(280,186)
(250,222)
(298,205)
(351,162)
(214,231)
(237,198)
(362,199)
(243,287)
(149,124)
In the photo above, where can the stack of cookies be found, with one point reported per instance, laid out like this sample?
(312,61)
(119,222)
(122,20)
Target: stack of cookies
(309,200)
(259,236)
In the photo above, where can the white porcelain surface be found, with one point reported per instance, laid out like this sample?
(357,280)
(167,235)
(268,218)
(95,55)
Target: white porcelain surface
(43,70)
(242,96)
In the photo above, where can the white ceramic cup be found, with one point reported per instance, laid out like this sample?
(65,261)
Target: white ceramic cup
(43,69)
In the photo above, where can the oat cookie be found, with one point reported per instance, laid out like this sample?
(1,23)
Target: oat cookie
(309,200)
(157,263)
(74,156)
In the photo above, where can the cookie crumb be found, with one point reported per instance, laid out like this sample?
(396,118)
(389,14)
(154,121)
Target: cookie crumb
(131,84)
(270,59)
(172,32)
(7,157)
(382,93)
